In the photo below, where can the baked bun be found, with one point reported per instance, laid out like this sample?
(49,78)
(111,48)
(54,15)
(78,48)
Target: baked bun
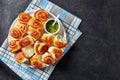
(23,28)
(34,23)
(34,33)
(26,41)
(36,62)
(41,15)
(40,48)
(20,58)
(55,52)
(28,51)
(47,58)
(59,41)
(24,17)
(15,33)
(47,38)
(13,45)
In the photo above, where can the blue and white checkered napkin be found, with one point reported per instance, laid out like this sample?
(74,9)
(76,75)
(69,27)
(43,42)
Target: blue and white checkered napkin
(71,24)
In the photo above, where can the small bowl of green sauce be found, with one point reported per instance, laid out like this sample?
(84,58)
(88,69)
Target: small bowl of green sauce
(50,28)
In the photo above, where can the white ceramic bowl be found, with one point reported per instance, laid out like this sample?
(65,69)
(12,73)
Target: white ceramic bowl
(59,26)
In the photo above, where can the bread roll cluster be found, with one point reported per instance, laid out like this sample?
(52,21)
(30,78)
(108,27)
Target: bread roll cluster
(30,44)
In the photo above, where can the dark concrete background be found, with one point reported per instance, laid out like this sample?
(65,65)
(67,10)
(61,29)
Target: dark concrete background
(95,55)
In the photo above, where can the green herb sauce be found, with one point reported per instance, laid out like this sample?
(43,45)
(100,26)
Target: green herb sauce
(50,28)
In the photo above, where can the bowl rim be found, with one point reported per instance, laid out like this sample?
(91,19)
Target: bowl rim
(50,20)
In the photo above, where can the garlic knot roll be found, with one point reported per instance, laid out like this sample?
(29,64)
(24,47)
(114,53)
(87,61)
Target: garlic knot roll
(34,33)
(47,38)
(20,58)
(55,52)
(22,27)
(13,45)
(41,15)
(26,41)
(47,58)
(36,62)
(24,17)
(59,41)
(40,48)
(15,33)
(36,24)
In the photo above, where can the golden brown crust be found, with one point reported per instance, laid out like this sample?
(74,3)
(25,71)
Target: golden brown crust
(13,45)
(57,52)
(34,23)
(59,41)
(47,38)
(36,62)
(34,33)
(22,27)
(19,57)
(42,15)
(59,44)
(47,58)
(15,33)
(26,41)
(40,48)
(24,17)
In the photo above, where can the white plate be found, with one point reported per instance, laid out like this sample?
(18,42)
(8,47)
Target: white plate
(51,16)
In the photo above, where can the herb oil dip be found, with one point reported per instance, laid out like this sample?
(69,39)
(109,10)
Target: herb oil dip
(52,28)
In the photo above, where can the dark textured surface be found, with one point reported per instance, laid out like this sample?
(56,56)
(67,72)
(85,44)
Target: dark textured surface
(96,54)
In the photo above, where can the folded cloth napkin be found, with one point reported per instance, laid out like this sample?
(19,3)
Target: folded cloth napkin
(71,24)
